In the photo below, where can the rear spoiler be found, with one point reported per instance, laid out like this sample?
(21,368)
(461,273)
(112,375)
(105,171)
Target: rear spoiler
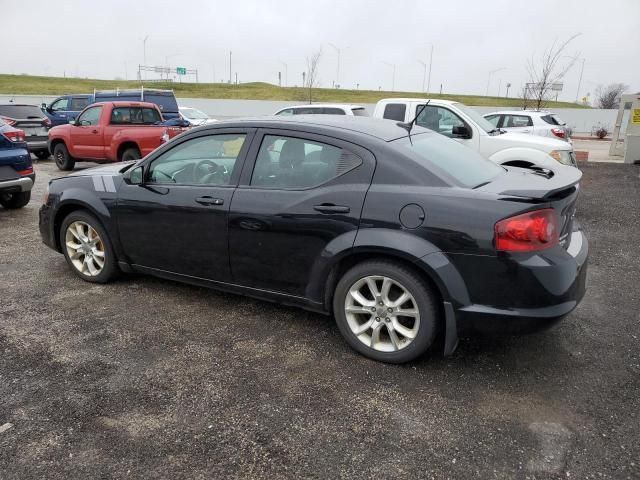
(523,182)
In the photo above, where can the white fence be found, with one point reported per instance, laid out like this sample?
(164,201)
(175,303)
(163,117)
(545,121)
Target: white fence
(581,120)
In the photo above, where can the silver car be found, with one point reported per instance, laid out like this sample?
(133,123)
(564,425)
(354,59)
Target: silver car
(544,124)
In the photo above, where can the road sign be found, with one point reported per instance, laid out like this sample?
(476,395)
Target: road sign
(181,70)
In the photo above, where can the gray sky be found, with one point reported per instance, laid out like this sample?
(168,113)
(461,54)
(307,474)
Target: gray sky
(103,39)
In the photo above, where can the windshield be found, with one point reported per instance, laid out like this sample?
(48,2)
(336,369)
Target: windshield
(449,159)
(482,122)
(194,114)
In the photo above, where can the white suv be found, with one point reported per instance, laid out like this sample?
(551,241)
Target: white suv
(545,124)
(326,109)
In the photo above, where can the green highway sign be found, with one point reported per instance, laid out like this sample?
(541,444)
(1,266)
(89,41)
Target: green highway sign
(181,70)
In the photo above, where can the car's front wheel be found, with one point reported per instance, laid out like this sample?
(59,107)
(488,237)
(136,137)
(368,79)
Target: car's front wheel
(15,200)
(64,161)
(386,311)
(87,248)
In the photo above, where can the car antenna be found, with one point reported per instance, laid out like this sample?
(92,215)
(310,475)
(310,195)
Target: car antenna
(409,126)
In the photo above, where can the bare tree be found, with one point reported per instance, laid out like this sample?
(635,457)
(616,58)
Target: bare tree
(547,71)
(609,96)
(313,63)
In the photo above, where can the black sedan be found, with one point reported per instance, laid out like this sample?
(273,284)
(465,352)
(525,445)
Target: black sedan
(404,238)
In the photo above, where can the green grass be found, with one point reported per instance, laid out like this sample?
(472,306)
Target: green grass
(32,85)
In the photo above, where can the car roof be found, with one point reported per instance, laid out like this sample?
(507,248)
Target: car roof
(520,112)
(390,100)
(124,103)
(346,106)
(385,130)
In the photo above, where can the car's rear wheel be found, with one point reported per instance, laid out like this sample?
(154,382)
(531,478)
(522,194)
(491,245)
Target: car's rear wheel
(130,154)
(42,154)
(386,311)
(15,200)
(87,248)
(64,161)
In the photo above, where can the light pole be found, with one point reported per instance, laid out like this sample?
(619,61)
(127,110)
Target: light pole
(144,53)
(393,77)
(230,76)
(424,73)
(580,80)
(286,68)
(430,63)
(338,68)
(489,79)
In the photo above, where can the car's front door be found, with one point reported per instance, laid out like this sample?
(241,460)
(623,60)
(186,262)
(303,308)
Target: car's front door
(298,193)
(58,111)
(176,221)
(87,134)
(444,121)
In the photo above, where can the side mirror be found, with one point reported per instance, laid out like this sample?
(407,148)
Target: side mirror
(73,122)
(136,176)
(44,106)
(460,132)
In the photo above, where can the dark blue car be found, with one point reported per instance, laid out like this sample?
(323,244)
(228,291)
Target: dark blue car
(67,107)
(16,170)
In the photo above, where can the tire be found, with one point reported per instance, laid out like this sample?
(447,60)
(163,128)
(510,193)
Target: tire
(130,154)
(412,335)
(42,154)
(87,264)
(15,200)
(64,161)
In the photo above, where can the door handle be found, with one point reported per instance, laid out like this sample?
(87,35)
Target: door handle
(331,208)
(207,200)
(94,131)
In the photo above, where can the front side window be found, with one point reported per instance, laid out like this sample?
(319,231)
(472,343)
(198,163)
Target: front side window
(306,111)
(439,119)
(296,163)
(493,119)
(287,111)
(208,160)
(91,116)
(515,121)
(395,111)
(60,105)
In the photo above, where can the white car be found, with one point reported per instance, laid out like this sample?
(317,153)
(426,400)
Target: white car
(545,124)
(326,109)
(194,116)
(465,125)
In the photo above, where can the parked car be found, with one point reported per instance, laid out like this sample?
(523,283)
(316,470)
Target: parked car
(31,120)
(456,120)
(110,132)
(325,109)
(195,117)
(398,237)
(16,170)
(67,107)
(544,124)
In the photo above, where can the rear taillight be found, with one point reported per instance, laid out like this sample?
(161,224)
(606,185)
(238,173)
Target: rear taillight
(15,135)
(46,122)
(528,232)
(27,171)
(164,138)
(8,121)
(558,132)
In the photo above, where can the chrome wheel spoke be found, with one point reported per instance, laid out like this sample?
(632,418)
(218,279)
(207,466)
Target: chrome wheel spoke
(375,335)
(402,330)
(395,341)
(358,297)
(384,291)
(401,300)
(358,309)
(364,327)
(373,288)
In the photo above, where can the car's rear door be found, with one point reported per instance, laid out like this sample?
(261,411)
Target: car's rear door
(298,193)
(176,221)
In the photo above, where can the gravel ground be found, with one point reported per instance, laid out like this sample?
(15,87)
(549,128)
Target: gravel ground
(146,378)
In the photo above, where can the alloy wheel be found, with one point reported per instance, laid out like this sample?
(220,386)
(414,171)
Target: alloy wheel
(382,313)
(85,248)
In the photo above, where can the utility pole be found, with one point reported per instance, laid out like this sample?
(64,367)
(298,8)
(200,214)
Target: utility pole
(144,53)
(286,72)
(230,77)
(430,63)
(337,83)
(507,95)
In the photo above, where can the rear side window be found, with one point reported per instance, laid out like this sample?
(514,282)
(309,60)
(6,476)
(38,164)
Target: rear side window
(21,111)
(78,103)
(360,112)
(493,119)
(449,159)
(307,111)
(515,121)
(395,111)
(290,163)
(135,116)
(333,111)
(552,119)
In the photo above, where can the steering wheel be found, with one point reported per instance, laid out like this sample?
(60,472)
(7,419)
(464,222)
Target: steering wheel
(209,172)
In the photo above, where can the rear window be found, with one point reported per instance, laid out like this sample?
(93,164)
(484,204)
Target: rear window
(134,116)
(360,112)
(21,111)
(395,111)
(552,119)
(449,159)
(166,103)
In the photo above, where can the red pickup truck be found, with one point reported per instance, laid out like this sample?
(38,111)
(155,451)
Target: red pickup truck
(110,132)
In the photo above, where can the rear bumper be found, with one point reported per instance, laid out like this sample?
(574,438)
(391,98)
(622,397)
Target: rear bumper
(39,143)
(22,184)
(524,293)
